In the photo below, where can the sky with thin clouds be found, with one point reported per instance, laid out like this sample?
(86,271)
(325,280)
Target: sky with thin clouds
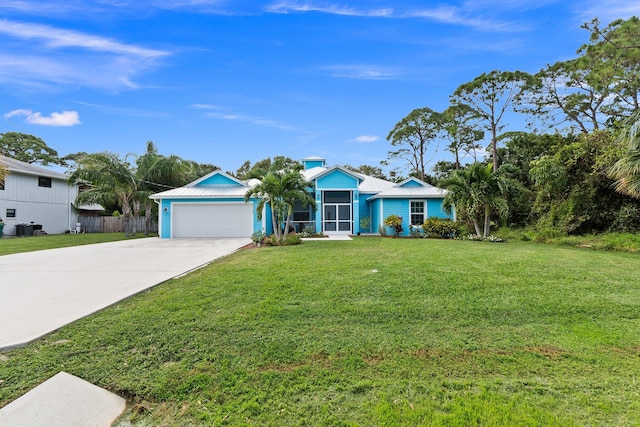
(224,81)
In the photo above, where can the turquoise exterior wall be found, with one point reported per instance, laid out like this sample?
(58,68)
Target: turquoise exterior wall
(308,164)
(217,179)
(434,208)
(365,211)
(376,219)
(398,207)
(337,180)
(411,184)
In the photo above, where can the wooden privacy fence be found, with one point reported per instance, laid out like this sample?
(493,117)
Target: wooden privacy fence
(112,224)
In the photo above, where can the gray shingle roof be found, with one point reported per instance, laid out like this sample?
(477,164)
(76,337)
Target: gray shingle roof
(16,166)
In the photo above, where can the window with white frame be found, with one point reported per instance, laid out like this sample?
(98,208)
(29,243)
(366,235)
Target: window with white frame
(417,212)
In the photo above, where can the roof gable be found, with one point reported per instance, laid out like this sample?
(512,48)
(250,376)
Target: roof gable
(413,182)
(337,177)
(216,177)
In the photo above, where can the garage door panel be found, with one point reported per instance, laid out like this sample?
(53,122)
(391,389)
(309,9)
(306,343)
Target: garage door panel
(212,220)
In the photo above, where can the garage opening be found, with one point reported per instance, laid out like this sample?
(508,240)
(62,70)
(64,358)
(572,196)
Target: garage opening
(212,219)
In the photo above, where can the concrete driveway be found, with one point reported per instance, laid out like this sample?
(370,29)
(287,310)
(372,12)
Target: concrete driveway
(45,290)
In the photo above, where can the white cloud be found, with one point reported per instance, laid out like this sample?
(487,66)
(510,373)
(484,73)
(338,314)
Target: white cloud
(444,14)
(294,6)
(255,120)
(608,10)
(360,72)
(366,138)
(42,56)
(59,38)
(66,118)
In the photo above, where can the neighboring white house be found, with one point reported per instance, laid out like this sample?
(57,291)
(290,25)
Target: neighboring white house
(32,194)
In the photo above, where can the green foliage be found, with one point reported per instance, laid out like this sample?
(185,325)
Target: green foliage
(262,167)
(395,222)
(28,149)
(284,240)
(490,96)
(381,332)
(574,193)
(365,224)
(412,136)
(626,171)
(280,189)
(257,236)
(440,227)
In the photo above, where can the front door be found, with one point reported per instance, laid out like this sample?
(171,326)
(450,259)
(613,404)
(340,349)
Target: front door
(337,218)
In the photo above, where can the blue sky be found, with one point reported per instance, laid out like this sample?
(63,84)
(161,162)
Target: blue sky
(227,81)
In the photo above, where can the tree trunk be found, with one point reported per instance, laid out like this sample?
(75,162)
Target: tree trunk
(274,221)
(476,226)
(487,222)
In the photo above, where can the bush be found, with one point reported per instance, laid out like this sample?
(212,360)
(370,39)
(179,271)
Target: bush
(442,228)
(395,222)
(290,239)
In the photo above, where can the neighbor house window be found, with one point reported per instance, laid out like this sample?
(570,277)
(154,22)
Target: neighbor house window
(11,213)
(44,182)
(417,212)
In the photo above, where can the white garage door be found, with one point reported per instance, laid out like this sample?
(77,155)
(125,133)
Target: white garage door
(212,219)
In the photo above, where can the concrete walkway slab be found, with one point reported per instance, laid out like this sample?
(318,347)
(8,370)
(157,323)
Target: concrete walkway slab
(63,400)
(45,290)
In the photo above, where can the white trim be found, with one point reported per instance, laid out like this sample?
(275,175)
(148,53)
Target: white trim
(185,204)
(424,209)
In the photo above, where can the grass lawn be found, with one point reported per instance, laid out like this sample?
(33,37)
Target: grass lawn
(369,332)
(13,245)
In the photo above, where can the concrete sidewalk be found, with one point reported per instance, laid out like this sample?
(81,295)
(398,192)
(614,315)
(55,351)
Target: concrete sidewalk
(63,400)
(45,290)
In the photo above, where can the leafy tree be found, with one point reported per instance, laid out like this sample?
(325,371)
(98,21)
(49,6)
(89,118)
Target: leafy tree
(520,149)
(458,123)
(490,96)
(599,87)
(280,188)
(615,53)
(477,192)
(574,193)
(373,171)
(262,167)
(567,92)
(28,149)
(412,137)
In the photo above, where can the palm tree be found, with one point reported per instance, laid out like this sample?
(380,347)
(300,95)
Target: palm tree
(111,179)
(626,171)
(280,189)
(156,173)
(477,191)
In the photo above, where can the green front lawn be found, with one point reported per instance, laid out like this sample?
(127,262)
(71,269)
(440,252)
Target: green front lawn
(13,245)
(370,332)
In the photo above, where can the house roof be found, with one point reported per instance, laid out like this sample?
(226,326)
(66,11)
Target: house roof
(200,189)
(420,189)
(379,188)
(16,166)
(209,191)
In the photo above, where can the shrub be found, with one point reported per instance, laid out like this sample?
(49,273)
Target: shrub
(440,227)
(416,231)
(290,239)
(395,222)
